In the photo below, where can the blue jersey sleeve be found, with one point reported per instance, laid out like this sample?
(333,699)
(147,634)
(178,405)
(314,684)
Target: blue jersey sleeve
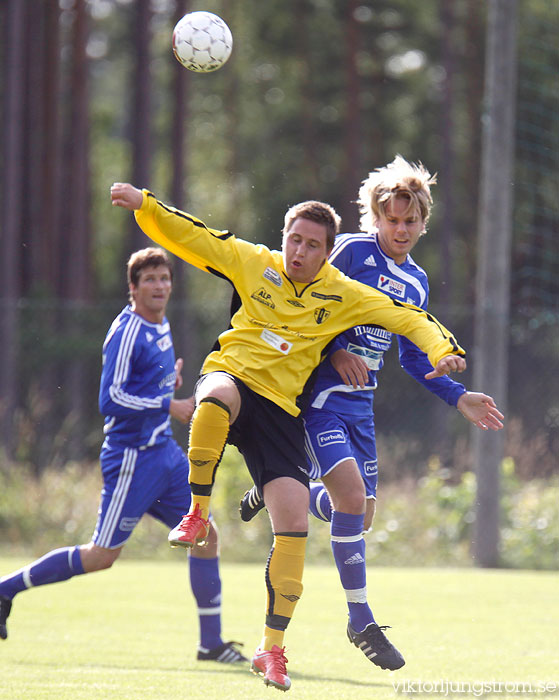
(417,365)
(116,395)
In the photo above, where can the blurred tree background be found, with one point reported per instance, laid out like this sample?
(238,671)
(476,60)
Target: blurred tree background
(315,95)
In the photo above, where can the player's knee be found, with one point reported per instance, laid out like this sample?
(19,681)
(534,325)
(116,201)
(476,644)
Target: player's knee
(96,558)
(352,502)
(223,392)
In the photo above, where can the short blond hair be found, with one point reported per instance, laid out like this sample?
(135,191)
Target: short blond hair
(397,180)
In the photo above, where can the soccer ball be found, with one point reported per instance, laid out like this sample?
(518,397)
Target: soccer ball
(202,42)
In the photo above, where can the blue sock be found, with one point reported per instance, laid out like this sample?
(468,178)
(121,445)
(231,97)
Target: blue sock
(320,505)
(58,565)
(206,587)
(348,547)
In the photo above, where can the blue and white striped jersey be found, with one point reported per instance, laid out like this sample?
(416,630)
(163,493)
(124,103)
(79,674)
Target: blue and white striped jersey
(359,256)
(138,381)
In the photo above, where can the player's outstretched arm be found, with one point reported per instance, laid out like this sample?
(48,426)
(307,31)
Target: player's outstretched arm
(450,363)
(125,195)
(480,410)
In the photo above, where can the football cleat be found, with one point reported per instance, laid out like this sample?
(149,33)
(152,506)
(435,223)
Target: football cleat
(193,529)
(376,647)
(251,503)
(5,607)
(271,666)
(226,653)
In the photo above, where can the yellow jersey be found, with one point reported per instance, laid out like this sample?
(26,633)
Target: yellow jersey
(281,327)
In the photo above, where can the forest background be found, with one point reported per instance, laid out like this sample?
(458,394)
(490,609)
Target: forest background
(315,95)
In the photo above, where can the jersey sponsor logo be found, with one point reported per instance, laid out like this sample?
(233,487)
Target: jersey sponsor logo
(327,297)
(409,300)
(370,261)
(276,341)
(372,358)
(387,284)
(370,468)
(330,437)
(128,524)
(374,331)
(164,343)
(294,302)
(266,325)
(320,315)
(169,380)
(272,276)
(263,297)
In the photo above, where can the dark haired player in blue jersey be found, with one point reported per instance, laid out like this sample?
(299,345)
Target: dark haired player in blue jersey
(144,469)
(395,203)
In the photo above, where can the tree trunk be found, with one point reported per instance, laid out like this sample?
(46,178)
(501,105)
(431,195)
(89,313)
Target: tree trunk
(352,128)
(494,254)
(75,252)
(16,48)
(441,425)
(141,113)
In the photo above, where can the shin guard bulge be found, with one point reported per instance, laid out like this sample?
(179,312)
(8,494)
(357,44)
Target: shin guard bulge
(284,575)
(208,435)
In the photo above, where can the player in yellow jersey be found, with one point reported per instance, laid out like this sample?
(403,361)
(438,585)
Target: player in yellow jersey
(291,305)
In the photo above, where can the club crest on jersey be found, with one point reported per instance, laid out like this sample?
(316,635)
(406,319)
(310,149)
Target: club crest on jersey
(164,343)
(387,284)
(263,297)
(272,276)
(320,315)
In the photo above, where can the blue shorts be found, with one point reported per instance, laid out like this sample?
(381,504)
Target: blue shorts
(152,480)
(331,439)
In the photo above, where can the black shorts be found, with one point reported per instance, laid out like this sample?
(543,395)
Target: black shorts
(271,440)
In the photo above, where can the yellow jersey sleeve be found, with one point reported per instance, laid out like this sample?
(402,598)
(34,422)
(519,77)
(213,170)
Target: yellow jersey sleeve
(421,327)
(190,239)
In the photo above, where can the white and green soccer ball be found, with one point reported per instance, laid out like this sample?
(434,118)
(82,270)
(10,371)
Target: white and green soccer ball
(202,41)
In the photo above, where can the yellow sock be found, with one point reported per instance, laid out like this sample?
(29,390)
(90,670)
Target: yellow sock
(284,574)
(208,434)
(271,637)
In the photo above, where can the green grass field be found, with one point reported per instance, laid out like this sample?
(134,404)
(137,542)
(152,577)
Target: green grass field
(130,634)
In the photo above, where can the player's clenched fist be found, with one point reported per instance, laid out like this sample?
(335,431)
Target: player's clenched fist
(125,195)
